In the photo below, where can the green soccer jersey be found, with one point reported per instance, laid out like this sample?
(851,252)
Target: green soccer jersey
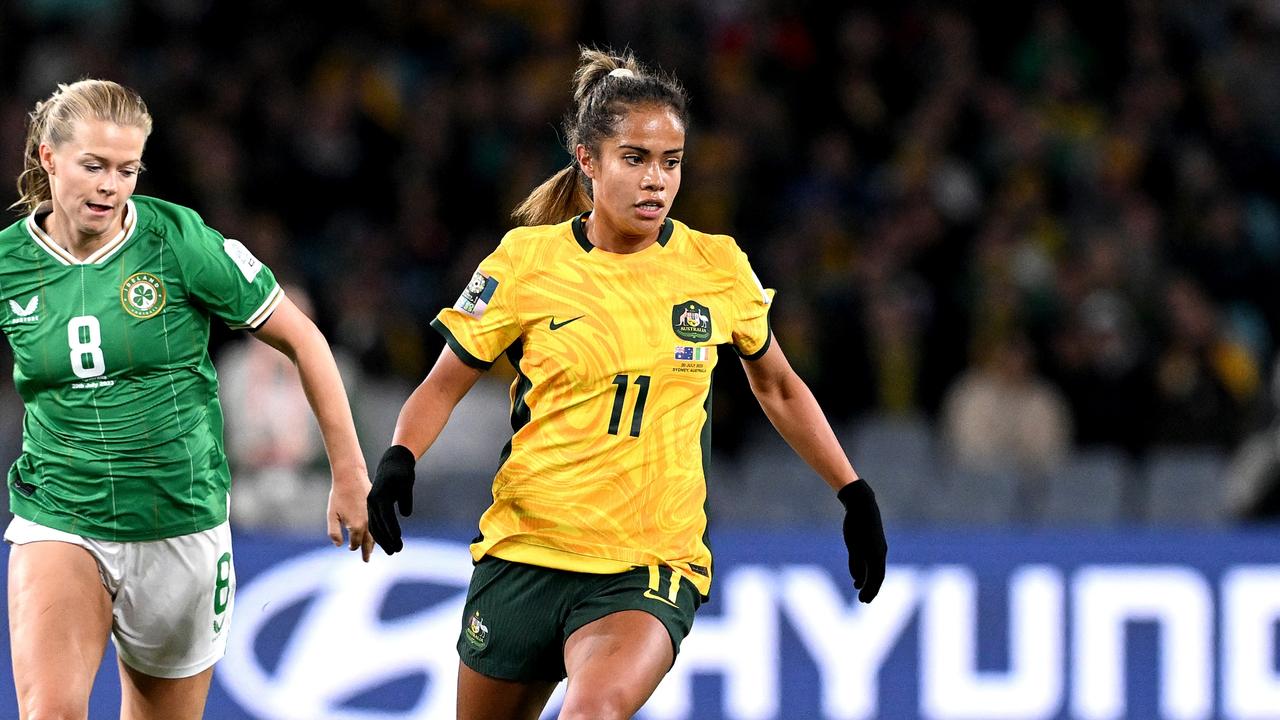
(122,438)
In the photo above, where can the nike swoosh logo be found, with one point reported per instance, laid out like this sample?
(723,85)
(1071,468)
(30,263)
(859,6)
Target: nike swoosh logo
(556,326)
(217,627)
(25,488)
(654,596)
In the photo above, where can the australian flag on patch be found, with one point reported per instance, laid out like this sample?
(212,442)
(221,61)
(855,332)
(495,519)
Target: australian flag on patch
(685,352)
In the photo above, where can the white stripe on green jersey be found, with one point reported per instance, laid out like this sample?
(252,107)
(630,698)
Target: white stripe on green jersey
(122,438)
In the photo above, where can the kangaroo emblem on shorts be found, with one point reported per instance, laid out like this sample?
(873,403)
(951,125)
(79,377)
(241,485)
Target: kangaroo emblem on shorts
(477,632)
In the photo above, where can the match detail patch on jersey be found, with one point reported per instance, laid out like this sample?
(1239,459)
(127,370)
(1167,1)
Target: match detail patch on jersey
(142,295)
(685,352)
(25,313)
(240,255)
(475,298)
(691,321)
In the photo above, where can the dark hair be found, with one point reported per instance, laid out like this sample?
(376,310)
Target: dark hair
(53,122)
(606,87)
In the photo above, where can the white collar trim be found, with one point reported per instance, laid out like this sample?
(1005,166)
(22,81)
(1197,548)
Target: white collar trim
(99,256)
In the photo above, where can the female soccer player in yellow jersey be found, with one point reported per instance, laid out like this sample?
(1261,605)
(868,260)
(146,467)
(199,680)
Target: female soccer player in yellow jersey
(120,494)
(592,558)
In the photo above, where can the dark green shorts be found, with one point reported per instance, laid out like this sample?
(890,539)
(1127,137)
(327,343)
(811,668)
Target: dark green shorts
(518,617)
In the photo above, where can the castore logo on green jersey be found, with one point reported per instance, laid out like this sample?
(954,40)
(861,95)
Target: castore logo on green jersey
(25,313)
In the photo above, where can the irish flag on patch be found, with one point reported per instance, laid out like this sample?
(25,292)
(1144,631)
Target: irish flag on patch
(684,352)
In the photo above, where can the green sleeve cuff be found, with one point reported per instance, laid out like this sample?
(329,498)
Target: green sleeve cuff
(463,354)
(768,340)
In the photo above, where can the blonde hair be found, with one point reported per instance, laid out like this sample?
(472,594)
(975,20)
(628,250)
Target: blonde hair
(606,87)
(53,123)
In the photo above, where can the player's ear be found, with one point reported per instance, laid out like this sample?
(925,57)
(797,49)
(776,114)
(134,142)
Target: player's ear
(46,157)
(585,161)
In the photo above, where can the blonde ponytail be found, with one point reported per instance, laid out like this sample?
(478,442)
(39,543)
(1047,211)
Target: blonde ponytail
(53,123)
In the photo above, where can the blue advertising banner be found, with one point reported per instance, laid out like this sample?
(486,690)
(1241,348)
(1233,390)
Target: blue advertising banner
(969,624)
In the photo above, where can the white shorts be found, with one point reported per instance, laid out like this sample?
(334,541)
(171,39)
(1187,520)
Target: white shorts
(171,599)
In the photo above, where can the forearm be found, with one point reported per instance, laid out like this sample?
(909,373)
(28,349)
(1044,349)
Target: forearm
(428,409)
(423,417)
(327,395)
(291,332)
(791,407)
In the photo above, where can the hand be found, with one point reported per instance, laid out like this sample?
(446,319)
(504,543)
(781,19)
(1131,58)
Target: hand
(392,484)
(348,508)
(864,536)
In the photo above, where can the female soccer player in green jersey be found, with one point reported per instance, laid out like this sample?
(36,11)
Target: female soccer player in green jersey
(593,556)
(120,495)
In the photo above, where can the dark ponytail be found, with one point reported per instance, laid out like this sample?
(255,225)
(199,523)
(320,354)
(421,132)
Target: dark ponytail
(606,87)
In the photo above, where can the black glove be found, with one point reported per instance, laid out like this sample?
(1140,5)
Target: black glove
(863,535)
(392,483)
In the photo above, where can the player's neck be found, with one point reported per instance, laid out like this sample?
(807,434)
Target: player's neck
(600,234)
(81,245)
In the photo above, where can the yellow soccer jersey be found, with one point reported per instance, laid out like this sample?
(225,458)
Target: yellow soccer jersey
(610,406)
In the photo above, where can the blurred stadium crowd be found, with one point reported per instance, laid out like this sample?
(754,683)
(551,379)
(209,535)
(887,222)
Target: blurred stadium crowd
(1041,232)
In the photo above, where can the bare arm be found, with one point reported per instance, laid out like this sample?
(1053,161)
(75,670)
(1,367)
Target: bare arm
(291,332)
(792,409)
(421,419)
(427,410)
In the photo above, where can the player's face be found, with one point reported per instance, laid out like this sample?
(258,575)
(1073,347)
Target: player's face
(636,173)
(90,177)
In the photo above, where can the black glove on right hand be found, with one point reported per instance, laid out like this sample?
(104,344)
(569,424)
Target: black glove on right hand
(392,484)
(864,536)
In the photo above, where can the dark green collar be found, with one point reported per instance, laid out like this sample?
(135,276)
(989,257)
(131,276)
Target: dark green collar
(580,232)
